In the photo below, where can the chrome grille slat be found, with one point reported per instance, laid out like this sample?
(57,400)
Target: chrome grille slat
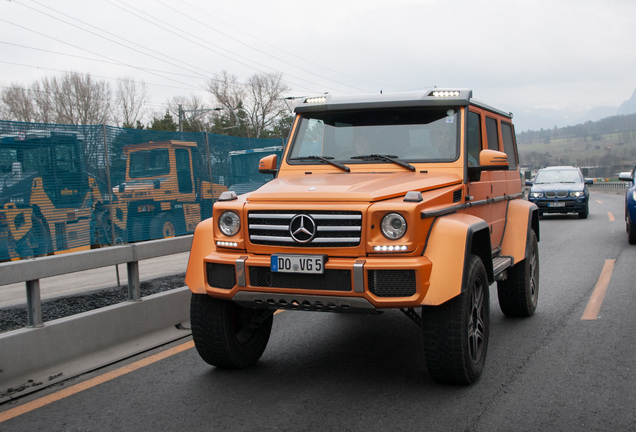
(318,240)
(326,228)
(270,227)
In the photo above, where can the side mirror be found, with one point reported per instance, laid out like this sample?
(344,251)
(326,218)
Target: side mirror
(589,181)
(493,160)
(489,160)
(625,176)
(267,165)
(528,182)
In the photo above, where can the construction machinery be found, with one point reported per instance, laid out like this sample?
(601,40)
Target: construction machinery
(46,195)
(164,194)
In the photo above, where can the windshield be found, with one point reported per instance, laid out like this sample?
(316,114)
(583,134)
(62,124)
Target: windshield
(558,176)
(410,134)
(149,163)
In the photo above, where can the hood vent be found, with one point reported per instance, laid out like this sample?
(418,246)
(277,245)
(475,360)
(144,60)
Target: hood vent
(457,196)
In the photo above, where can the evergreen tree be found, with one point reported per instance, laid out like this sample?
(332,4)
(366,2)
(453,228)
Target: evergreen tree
(166,123)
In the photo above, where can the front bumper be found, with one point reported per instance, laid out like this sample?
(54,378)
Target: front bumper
(566,205)
(347,284)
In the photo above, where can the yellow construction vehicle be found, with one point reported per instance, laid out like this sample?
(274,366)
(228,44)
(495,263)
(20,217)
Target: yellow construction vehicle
(164,193)
(46,196)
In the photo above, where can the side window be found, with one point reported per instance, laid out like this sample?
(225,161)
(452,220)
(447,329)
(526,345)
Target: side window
(183,170)
(492,133)
(473,139)
(508,136)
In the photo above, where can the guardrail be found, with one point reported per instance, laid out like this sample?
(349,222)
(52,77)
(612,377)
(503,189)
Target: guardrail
(30,271)
(611,185)
(40,355)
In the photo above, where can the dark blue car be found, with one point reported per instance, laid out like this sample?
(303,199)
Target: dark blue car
(560,189)
(630,205)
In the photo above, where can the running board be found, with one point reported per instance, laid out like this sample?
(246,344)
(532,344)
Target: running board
(499,266)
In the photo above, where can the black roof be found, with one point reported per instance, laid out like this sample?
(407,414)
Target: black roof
(431,98)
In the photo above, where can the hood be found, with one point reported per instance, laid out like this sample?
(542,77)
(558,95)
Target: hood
(352,187)
(542,187)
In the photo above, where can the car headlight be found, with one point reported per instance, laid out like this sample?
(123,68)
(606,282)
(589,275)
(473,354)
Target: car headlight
(229,223)
(634,195)
(577,194)
(393,226)
(536,194)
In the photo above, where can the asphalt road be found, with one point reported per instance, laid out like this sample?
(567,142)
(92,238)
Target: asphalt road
(322,372)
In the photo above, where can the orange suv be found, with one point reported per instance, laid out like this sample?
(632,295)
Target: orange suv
(391,201)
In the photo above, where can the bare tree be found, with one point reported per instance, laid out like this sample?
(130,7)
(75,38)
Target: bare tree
(266,104)
(227,90)
(259,99)
(78,99)
(130,98)
(195,113)
(18,104)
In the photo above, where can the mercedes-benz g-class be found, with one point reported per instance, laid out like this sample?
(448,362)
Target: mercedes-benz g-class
(391,201)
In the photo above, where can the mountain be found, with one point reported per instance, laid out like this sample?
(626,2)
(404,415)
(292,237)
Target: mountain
(629,106)
(549,118)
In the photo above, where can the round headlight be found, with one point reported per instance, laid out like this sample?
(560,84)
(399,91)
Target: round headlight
(229,223)
(577,194)
(393,226)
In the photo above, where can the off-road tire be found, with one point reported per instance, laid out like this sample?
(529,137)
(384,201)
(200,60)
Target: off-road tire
(456,332)
(163,226)
(584,213)
(519,292)
(227,335)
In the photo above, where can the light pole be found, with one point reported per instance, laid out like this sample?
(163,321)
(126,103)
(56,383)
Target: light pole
(182,114)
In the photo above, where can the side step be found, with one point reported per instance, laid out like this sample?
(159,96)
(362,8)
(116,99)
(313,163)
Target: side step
(500,264)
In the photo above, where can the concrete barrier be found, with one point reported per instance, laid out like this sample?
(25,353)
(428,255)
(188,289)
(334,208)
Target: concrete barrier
(32,358)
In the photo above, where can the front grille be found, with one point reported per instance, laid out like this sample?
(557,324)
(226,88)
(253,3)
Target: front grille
(392,283)
(330,280)
(555,194)
(332,228)
(220,275)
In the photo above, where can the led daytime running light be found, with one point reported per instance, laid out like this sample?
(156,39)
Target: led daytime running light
(226,244)
(392,248)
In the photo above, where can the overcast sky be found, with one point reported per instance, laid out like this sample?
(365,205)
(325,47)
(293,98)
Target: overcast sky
(517,55)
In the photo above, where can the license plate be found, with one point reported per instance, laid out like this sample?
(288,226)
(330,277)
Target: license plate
(556,204)
(306,264)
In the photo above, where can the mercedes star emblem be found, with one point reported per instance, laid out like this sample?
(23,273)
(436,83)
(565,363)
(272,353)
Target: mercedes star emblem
(302,228)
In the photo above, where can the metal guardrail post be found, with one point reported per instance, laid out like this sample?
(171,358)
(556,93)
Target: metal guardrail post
(34,304)
(132,268)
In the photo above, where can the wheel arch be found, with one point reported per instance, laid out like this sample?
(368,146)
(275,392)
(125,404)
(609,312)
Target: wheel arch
(522,216)
(449,236)
(201,246)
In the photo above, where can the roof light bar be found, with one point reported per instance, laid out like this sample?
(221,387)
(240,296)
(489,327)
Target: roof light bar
(445,93)
(319,99)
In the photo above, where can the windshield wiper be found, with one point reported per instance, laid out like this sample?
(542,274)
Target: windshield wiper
(326,159)
(385,157)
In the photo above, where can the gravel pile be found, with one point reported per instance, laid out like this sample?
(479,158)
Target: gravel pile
(15,317)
